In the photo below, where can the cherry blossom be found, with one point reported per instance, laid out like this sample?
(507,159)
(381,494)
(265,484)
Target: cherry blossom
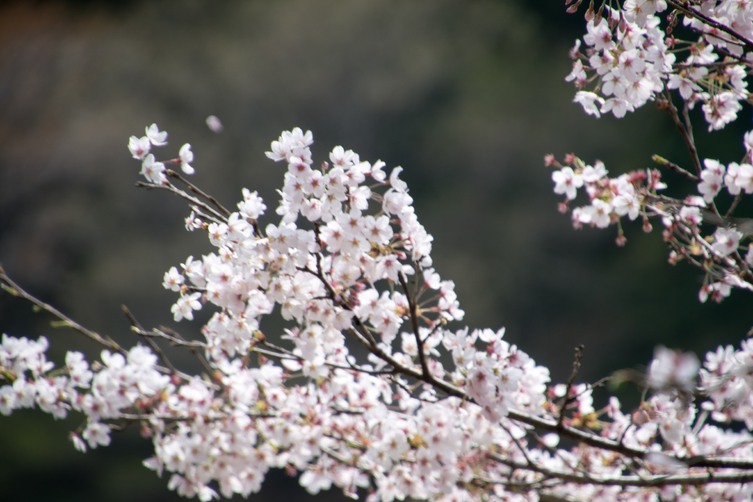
(566,182)
(152,170)
(155,136)
(726,241)
(186,157)
(139,147)
(673,370)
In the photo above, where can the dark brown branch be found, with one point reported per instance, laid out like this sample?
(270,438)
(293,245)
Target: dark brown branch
(637,481)
(685,8)
(686,132)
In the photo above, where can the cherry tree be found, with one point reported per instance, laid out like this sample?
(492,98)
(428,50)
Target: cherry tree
(373,386)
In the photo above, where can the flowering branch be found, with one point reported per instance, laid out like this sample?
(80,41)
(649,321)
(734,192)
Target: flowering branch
(424,410)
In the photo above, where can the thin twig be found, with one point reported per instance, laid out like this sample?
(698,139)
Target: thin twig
(178,340)
(139,330)
(414,324)
(12,288)
(566,399)
(661,161)
(196,190)
(217,214)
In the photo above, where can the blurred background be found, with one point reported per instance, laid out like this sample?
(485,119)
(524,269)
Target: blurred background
(468,96)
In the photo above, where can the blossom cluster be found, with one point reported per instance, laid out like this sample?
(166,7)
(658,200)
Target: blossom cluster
(115,385)
(151,169)
(629,57)
(348,264)
(727,377)
(692,226)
